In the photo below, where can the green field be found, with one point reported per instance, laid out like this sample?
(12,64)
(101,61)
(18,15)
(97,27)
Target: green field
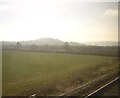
(26,73)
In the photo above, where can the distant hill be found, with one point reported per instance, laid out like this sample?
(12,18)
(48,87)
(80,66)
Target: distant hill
(43,41)
(103,43)
(49,41)
(56,45)
(76,44)
(53,41)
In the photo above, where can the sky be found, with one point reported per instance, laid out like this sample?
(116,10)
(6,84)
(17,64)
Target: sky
(67,20)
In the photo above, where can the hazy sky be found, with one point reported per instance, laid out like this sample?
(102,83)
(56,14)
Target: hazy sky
(68,20)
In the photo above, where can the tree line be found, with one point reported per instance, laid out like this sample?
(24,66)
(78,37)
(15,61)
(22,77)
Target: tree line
(66,48)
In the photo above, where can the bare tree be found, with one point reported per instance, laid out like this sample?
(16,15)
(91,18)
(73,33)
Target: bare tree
(67,47)
(18,45)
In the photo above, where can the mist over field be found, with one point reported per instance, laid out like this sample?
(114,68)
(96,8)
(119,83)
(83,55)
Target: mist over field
(56,41)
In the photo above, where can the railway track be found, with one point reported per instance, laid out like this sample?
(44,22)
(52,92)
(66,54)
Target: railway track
(101,89)
(91,88)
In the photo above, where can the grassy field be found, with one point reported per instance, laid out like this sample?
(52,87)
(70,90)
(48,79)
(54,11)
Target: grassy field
(26,73)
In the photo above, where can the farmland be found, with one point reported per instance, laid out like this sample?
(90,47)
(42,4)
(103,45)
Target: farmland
(25,73)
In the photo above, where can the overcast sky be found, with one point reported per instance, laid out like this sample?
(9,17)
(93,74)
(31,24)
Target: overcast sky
(68,20)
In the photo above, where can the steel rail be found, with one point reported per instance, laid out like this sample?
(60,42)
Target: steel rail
(85,85)
(101,88)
